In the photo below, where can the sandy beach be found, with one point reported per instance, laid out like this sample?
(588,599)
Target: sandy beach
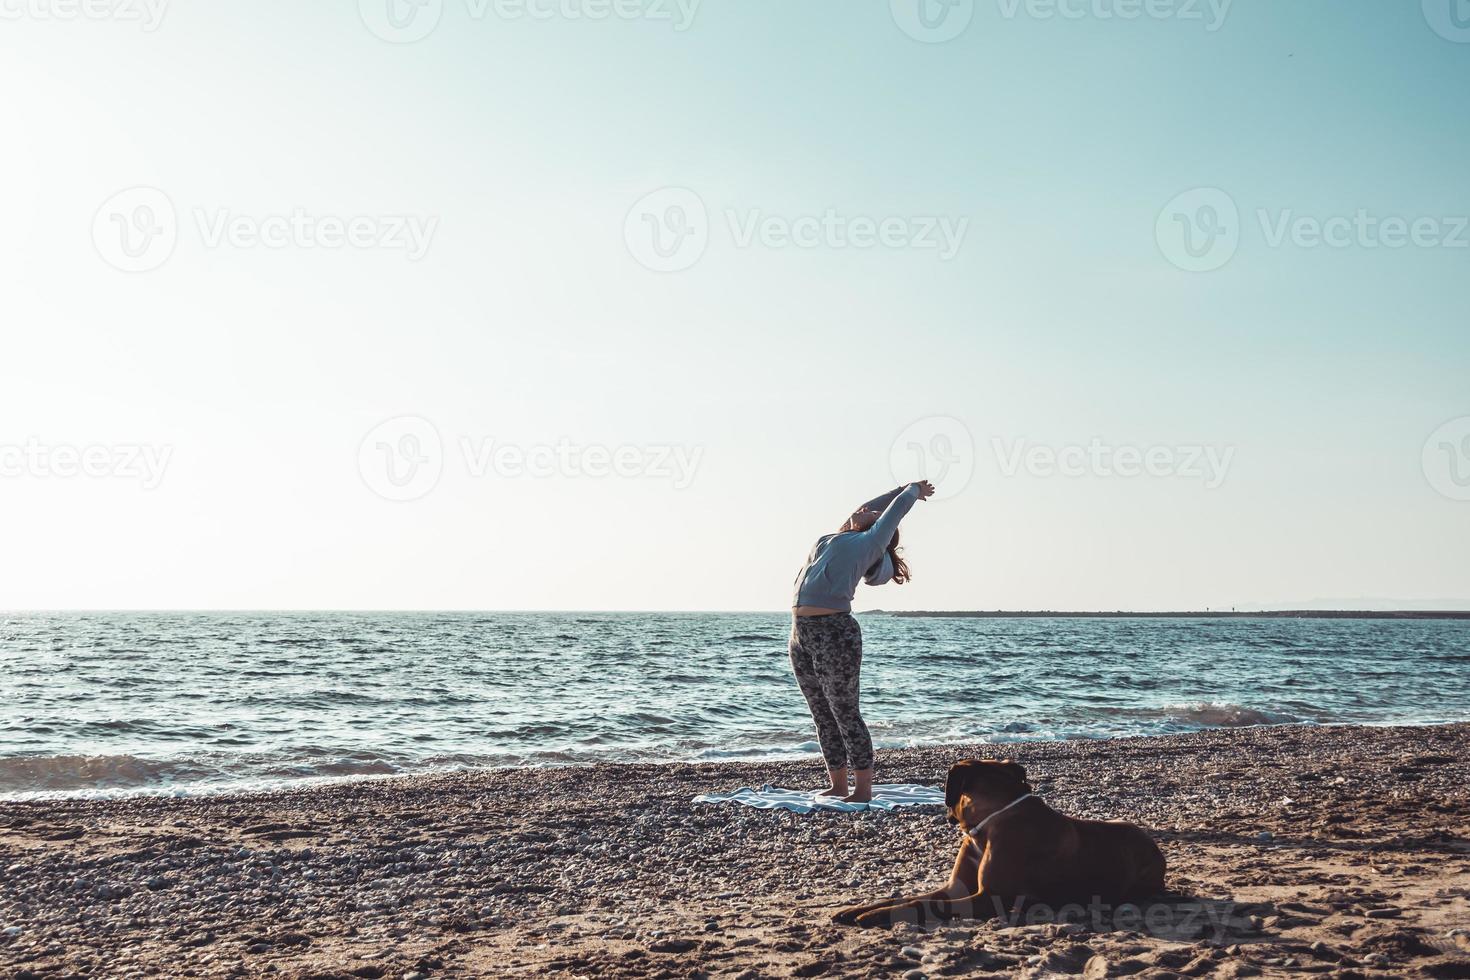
(1336,851)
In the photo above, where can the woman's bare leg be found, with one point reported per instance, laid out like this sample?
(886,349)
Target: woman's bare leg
(862,790)
(838,775)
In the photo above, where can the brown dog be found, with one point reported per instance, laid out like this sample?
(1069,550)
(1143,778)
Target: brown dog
(1018,851)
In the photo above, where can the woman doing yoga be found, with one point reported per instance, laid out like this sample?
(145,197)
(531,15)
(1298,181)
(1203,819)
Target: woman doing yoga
(826,642)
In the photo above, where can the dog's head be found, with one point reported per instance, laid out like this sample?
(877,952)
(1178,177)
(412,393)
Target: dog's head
(976,788)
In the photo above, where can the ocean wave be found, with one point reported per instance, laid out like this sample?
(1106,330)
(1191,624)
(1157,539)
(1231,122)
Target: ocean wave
(27,774)
(336,767)
(1214,714)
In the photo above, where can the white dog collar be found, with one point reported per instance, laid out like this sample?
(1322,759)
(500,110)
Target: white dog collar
(981,825)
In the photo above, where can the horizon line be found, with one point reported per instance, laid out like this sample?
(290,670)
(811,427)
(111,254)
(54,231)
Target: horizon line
(1209,613)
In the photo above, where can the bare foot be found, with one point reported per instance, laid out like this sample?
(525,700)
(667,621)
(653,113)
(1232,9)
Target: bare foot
(862,786)
(837,779)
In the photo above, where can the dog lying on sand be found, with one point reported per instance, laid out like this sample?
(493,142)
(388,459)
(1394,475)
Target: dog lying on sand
(1018,851)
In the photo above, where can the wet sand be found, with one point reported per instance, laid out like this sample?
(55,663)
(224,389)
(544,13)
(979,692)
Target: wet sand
(1332,851)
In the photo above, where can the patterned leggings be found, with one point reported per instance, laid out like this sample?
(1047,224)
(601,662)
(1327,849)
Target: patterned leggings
(827,657)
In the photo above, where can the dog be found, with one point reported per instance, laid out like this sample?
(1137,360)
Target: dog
(1018,851)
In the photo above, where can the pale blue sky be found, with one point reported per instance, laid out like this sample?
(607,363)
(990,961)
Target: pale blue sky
(791,371)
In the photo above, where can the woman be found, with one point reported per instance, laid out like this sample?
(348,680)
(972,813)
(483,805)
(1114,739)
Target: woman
(826,643)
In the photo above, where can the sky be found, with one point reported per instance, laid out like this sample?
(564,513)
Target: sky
(620,304)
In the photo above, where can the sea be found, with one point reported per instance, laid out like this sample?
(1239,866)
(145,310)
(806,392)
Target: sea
(107,704)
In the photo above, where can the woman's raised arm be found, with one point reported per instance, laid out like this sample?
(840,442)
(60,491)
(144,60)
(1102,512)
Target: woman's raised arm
(880,504)
(878,536)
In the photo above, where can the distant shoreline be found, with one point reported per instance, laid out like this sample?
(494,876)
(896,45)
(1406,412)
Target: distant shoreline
(1271,614)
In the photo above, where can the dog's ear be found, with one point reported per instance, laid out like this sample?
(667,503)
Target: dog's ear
(957,780)
(1018,771)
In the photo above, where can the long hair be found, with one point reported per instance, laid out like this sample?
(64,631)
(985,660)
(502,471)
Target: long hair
(901,573)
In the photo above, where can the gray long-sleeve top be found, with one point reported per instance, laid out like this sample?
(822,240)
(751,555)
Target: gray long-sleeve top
(837,562)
